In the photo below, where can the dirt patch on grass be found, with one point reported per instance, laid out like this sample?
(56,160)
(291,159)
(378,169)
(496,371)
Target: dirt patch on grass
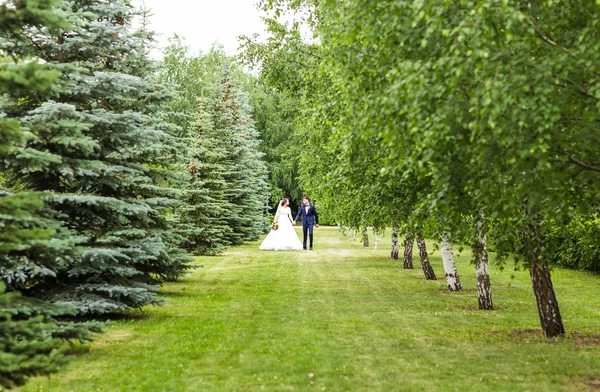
(537,335)
(593,384)
(527,335)
(590,384)
(585,340)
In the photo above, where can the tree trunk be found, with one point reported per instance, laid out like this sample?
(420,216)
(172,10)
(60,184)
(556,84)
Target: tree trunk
(449,265)
(365,238)
(484,292)
(394,254)
(376,242)
(546,300)
(543,289)
(427,269)
(408,252)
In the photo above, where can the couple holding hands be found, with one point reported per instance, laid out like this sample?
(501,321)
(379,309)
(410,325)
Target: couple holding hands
(283,236)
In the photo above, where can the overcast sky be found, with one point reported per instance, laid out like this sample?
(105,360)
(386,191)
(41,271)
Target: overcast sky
(203,22)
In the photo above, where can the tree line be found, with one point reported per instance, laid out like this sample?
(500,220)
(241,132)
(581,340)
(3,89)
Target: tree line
(114,169)
(467,121)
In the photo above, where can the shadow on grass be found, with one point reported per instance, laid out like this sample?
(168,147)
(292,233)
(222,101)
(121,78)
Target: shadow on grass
(134,315)
(183,293)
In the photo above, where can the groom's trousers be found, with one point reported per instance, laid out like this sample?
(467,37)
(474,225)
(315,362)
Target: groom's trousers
(307,231)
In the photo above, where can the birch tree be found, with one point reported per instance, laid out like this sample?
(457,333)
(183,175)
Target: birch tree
(452,277)
(491,102)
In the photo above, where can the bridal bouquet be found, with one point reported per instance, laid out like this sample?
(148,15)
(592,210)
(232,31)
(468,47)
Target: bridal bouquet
(274,226)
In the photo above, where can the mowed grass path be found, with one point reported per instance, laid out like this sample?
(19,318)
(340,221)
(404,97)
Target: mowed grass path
(342,317)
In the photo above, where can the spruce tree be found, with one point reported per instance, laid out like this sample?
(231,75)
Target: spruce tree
(201,219)
(225,153)
(97,143)
(245,172)
(225,182)
(32,243)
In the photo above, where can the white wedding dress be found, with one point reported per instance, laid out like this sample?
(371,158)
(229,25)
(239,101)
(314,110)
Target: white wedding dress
(285,237)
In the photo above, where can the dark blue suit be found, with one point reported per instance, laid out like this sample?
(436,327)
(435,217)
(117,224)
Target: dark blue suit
(309,219)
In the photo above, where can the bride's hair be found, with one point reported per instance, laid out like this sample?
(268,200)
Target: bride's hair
(282,204)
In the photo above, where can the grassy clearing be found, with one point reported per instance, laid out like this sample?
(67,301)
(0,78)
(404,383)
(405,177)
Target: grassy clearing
(351,318)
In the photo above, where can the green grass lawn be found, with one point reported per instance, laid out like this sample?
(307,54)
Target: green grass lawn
(342,317)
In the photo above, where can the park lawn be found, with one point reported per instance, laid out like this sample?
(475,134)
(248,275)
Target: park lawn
(342,317)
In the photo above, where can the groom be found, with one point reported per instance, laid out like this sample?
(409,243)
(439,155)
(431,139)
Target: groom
(310,218)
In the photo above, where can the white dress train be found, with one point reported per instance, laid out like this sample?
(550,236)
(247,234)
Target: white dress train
(285,237)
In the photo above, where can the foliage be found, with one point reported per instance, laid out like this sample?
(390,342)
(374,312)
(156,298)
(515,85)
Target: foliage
(198,75)
(200,220)
(242,170)
(32,341)
(439,112)
(274,116)
(576,245)
(32,243)
(194,78)
(95,142)
(224,188)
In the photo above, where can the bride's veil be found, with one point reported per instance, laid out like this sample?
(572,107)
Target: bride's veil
(277,212)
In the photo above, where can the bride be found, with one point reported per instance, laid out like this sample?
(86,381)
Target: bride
(284,237)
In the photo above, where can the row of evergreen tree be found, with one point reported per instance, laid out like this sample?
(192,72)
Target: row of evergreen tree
(101,191)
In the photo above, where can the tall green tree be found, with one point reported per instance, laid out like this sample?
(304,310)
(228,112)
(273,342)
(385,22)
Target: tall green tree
(95,142)
(274,114)
(194,76)
(242,169)
(32,243)
(226,185)
(197,75)
(202,218)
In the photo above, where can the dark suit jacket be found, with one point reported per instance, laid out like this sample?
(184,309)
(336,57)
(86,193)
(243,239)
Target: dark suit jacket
(310,218)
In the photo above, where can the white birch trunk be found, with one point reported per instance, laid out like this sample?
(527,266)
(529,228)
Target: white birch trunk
(394,254)
(449,265)
(424,256)
(376,242)
(484,292)
(408,252)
